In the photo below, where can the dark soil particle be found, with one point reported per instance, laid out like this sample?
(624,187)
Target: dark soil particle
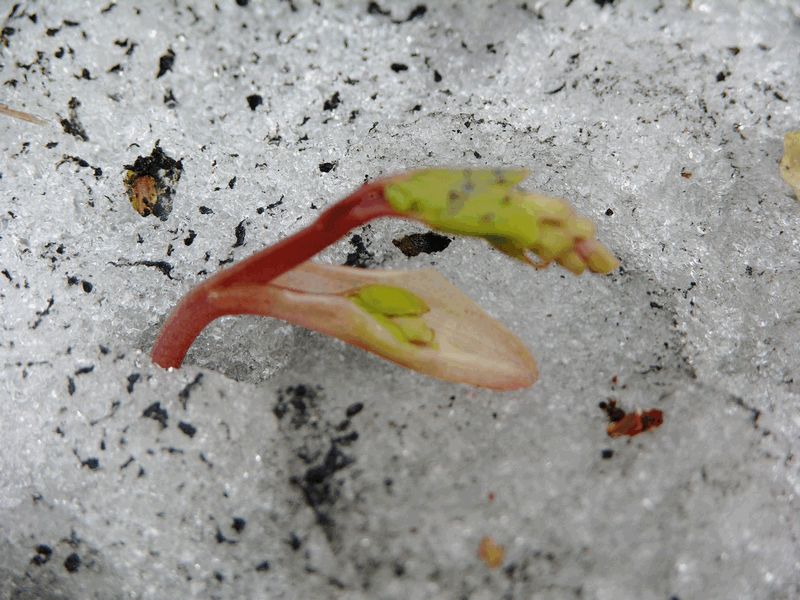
(262,566)
(398,67)
(240,232)
(155,412)
(132,379)
(165,63)
(318,448)
(254,101)
(72,125)
(238,524)
(607,453)
(361,257)
(614,412)
(92,463)
(187,428)
(43,554)
(72,563)
(294,542)
(354,409)
(169,99)
(327,167)
(332,102)
(417,243)
(184,394)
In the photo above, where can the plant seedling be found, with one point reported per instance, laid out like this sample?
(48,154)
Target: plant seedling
(402,316)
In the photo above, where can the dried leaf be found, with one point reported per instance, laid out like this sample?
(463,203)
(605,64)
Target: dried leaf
(790,164)
(491,553)
(414,318)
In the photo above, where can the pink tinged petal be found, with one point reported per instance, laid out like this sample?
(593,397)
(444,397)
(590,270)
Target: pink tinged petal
(455,340)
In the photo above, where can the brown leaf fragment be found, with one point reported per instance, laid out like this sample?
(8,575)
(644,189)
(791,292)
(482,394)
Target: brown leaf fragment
(491,553)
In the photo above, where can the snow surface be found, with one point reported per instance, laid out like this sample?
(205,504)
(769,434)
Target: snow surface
(241,475)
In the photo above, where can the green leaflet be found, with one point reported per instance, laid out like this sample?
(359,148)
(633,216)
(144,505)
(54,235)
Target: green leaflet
(477,202)
(487,203)
(397,310)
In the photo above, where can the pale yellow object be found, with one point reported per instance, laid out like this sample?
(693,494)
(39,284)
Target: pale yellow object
(790,164)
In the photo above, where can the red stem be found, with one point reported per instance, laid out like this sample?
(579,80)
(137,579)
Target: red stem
(195,312)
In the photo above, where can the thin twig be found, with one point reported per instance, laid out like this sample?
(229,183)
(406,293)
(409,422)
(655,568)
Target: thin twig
(22,116)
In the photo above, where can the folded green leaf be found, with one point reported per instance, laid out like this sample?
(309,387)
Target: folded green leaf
(488,204)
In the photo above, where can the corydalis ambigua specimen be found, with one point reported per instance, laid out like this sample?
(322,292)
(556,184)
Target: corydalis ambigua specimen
(473,202)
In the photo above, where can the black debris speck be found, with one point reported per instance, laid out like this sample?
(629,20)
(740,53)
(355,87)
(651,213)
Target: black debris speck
(72,562)
(327,167)
(161,265)
(72,125)
(92,463)
(43,554)
(417,243)
(254,101)
(155,412)
(361,257)
(354,409)
(242,2)
(221,539)
(417,12)
(204,210)
(165,63)
(437,77)
(187,428)
(132,379)
(332,102)
(6,33)
(240,232)
(398,67)
(87,286)
(374,8)
(609,212)
(262,566)
(607,453)
(169,99)
(184,394)
(602,3)
(70,385)
(294,542)
(238,524)
(232,182)
(556,90)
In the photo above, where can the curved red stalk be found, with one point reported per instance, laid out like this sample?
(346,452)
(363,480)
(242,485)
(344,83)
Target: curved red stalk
(195,312)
